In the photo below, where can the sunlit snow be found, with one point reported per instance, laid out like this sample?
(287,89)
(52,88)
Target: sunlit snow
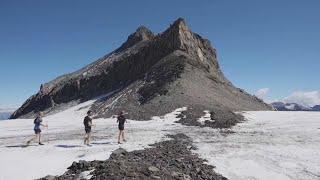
(268,145)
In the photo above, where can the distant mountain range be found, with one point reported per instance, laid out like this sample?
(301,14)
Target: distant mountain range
(280,106)
(6,113)
(316,108)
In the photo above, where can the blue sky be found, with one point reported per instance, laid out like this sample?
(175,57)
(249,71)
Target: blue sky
(261,44)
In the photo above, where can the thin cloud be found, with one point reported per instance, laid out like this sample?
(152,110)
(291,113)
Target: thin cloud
(261,93)
(309,98)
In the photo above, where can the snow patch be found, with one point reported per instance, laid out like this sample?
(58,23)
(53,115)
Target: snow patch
(85,175)
(290,106)
(206,117)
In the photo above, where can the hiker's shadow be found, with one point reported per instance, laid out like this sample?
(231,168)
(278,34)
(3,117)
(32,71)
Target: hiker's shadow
(100,143)
(20,146)
(67,146)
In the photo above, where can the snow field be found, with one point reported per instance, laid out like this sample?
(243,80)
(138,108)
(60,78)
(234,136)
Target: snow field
(268,145)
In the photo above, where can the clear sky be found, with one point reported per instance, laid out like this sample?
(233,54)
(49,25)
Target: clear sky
(268,44)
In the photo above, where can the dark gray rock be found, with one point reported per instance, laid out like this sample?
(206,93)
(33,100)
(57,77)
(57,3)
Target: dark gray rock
(170,159)
(141,34)
(220,117)
(49,177)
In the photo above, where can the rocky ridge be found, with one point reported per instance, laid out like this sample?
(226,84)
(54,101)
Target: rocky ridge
(176,68)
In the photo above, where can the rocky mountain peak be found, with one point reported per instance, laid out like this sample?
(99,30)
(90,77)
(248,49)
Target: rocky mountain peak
(176,31)
(180,24)
(141,34)
(180,37)
(176,68)
(144,33)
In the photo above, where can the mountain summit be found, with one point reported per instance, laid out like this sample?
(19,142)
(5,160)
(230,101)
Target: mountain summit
(141,34)
(148,75)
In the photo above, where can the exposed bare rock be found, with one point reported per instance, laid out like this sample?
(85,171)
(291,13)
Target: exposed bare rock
(170,159)
(153,75)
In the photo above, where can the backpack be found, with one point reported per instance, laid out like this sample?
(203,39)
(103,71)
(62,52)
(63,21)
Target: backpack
(35,120)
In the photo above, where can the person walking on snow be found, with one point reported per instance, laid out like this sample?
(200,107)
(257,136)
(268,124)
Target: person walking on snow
(121,120)
(87,127)
(38,122)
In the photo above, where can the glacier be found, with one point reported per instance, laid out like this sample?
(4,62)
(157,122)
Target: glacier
(267,145)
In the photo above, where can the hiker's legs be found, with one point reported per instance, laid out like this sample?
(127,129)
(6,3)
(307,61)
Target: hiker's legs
(123,136)
(85,138)
(89,137)
(119,136)
(39,137)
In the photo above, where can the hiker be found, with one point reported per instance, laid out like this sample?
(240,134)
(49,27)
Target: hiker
(121,120)
(37,130)
(87,127)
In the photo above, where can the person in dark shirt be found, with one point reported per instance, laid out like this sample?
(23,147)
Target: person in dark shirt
(87,122)
(121,120)
(37,129)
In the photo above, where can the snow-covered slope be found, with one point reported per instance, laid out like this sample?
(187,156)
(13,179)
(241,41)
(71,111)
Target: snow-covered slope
(269,145)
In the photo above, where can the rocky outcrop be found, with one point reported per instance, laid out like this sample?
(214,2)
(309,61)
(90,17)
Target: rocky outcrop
(173,69)
(170,159)
(141,34)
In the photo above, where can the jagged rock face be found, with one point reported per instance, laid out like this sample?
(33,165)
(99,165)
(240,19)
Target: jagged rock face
(173,69)
(141,34)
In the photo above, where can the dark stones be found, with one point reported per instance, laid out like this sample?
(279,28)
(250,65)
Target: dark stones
(49,177)
(118,153)
(220,118)
(170,159)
